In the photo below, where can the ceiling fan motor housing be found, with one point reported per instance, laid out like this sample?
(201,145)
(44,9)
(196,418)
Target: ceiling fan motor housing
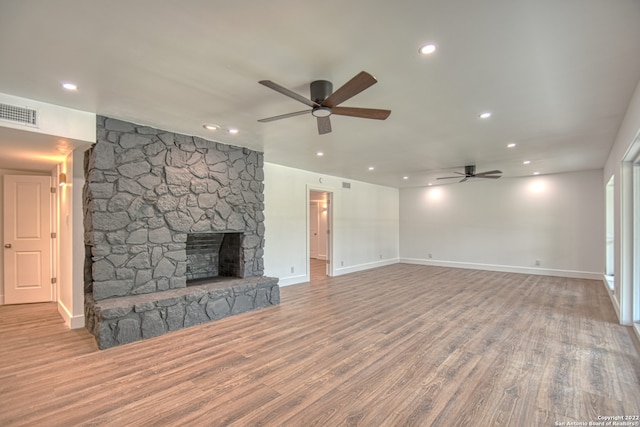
(320,90)
(470,170)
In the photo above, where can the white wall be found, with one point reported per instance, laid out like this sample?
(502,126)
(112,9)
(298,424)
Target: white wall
(620,170)
(508,224)
(54,119)
(365,223)
(71,242)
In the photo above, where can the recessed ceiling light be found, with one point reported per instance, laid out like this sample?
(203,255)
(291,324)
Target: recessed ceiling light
(427,49)
(233,130)
(484,115)
(511,145)
(371,168)
(69,86)
(210,126)
(319,154)
(526,162)
(405,177)
(536,173)
(429,184)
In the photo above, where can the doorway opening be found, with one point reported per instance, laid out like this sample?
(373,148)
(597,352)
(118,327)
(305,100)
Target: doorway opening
(319,220)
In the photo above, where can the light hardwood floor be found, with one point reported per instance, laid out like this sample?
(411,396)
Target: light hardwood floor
(317,270)
(402,345)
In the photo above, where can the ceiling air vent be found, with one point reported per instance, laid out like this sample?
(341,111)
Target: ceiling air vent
(346,185)
(25,116)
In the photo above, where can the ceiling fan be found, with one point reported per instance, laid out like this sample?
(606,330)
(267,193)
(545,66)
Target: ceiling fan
(324,102)
(470,172)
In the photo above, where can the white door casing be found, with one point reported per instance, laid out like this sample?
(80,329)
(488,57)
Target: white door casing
(27,239)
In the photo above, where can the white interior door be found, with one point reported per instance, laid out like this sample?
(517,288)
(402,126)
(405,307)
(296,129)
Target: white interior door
(27,239)
(313,230)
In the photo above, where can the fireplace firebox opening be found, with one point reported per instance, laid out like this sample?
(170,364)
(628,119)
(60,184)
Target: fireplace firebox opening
(213,256)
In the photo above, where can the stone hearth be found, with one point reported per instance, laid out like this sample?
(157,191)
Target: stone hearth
(149,194)
(122,320)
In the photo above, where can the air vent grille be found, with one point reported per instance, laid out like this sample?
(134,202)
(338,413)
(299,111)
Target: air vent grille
(25,116)
(346,185)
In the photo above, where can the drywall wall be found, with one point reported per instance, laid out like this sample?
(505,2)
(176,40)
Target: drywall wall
(508,224)
(54,119)
(625,148)
(71,242)
(365,223)
(629,131)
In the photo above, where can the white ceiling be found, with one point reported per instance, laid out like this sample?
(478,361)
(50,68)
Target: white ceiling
(556,74)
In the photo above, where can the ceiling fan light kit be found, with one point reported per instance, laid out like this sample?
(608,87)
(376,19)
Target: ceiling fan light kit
(324,101)
(321,112)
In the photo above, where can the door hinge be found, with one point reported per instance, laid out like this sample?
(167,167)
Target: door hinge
(54,190)
(54,280)
(54,235)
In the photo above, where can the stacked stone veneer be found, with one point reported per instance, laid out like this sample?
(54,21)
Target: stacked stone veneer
(146,190)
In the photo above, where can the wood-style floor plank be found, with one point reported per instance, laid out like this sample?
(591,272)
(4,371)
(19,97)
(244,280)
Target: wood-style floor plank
(402,345)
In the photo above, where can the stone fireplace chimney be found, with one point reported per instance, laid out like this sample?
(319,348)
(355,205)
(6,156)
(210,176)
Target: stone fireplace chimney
(150,196)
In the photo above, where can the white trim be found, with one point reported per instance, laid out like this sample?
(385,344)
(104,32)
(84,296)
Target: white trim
(636,328)
(72,322)
(624,281)
(367,266)
(506,268)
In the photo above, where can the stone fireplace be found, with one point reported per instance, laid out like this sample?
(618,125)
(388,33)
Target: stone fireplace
(174,231)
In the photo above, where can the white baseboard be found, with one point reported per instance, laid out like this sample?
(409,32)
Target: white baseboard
(72,322)
(293,280)
(505,268)
(366,266)
(636,327)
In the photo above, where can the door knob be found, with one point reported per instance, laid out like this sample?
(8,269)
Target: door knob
(7,245)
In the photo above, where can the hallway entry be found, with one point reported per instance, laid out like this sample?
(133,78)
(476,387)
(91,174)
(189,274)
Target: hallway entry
(319,234)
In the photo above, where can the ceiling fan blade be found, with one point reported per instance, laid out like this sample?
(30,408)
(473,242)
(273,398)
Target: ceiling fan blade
(488,176)
(284,116)
(489,173)
(357,84)
(365,113)
(448,177)
(283,90)
(464,179)
(324,125)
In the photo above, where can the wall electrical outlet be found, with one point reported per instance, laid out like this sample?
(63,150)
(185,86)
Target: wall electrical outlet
(538,262)
(430,256)
(341,263)
(292,269)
